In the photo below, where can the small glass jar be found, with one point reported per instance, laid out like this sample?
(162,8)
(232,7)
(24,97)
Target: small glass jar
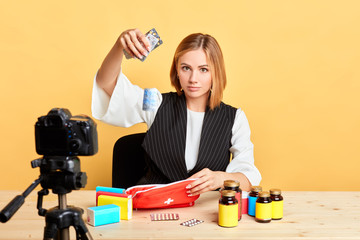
(263,213)
(235,186)
(277,204)
(252,197)
(228,209)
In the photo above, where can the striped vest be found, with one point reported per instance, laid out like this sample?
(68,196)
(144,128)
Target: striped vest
(165,141)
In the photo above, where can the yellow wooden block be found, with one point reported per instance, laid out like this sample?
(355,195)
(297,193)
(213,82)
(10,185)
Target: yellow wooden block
(125,205)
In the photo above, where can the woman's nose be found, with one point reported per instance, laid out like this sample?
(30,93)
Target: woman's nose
(193,77)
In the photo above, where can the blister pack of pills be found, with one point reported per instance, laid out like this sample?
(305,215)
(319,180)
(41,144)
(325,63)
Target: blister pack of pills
(154,39)
(191,222)
(164,216)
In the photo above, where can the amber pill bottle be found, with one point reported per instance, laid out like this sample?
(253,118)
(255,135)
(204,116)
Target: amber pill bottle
(252,197)
(263,212)
(228,209)
(235,186)
(277,204)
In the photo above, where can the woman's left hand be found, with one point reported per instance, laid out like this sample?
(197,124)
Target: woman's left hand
(207,181)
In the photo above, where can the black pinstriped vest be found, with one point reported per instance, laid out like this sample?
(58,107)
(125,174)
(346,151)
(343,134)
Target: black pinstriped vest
(165,141)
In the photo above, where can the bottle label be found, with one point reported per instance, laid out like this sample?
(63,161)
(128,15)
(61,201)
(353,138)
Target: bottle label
(263,211)
(228,215)
(277,209)
(251,205)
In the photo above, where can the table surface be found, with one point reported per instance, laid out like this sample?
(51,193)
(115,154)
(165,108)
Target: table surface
(307,215)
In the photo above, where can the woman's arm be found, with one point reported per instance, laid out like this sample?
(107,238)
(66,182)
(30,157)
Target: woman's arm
(115,100)
(130,41)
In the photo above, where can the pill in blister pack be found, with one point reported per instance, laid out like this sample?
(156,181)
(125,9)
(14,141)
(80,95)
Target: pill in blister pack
(164,216)
(191,222)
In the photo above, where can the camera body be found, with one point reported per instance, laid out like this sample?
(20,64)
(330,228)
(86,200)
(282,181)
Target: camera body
(61,134)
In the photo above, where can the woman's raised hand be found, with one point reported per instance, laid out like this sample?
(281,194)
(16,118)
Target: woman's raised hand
(134,42)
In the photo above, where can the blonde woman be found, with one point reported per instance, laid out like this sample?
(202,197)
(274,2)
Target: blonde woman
(191,132)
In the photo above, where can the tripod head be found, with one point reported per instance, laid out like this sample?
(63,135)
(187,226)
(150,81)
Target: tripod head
(62,174)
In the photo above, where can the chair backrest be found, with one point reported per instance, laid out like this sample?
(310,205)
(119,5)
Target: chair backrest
(128,161)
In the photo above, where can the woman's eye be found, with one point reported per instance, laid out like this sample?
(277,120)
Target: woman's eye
(185,68)
(203,70)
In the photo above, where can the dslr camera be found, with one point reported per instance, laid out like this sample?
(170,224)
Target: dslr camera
(61,134)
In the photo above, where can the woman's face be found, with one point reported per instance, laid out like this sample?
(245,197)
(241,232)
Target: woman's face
(194,75)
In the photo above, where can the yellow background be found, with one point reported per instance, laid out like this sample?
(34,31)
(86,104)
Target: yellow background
(292,66)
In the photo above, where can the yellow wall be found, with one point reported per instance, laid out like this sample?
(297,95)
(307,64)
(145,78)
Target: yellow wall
(293,66)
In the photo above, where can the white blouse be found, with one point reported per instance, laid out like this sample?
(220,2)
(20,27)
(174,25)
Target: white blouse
(124,109)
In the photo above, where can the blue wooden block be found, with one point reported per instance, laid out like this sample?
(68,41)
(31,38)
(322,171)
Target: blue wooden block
(110,189)
(102,215)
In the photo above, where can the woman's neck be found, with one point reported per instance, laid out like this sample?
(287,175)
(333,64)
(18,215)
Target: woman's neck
(196,105)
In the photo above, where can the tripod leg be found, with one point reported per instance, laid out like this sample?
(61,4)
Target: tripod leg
(57,223)
(81,230)
(50,231)
(64,233)
(59,219)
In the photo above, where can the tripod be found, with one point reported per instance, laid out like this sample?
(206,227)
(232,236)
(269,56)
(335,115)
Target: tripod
(61,174)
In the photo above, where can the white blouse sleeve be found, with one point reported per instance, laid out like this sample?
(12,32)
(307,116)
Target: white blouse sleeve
(242,150)
(124,108)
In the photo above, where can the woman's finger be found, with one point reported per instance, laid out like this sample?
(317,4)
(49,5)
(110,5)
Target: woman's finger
(131,46)
(135,36)
(124,45)
(199,176)
(204,187)
(145,41)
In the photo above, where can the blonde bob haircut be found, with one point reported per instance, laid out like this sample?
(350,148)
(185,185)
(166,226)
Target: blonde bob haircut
(215,61)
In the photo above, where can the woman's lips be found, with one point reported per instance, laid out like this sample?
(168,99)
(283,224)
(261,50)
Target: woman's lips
(193,89)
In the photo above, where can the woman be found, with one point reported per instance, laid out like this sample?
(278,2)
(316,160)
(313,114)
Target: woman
(191,133)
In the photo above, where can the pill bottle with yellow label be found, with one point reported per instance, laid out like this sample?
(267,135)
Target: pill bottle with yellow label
(228,209)
(277,204)
(235,186)
(263,211)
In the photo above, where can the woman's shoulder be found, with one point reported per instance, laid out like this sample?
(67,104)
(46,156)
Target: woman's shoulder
(169,95)
(172,97)
(228,108)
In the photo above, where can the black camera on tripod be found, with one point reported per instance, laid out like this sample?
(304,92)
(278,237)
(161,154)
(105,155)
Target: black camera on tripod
(60,134)
(60,137)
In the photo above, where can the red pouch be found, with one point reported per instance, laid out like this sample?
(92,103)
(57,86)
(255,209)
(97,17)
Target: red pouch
(162,195)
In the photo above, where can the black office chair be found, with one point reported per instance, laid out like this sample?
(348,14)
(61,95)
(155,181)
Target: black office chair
(128,161)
